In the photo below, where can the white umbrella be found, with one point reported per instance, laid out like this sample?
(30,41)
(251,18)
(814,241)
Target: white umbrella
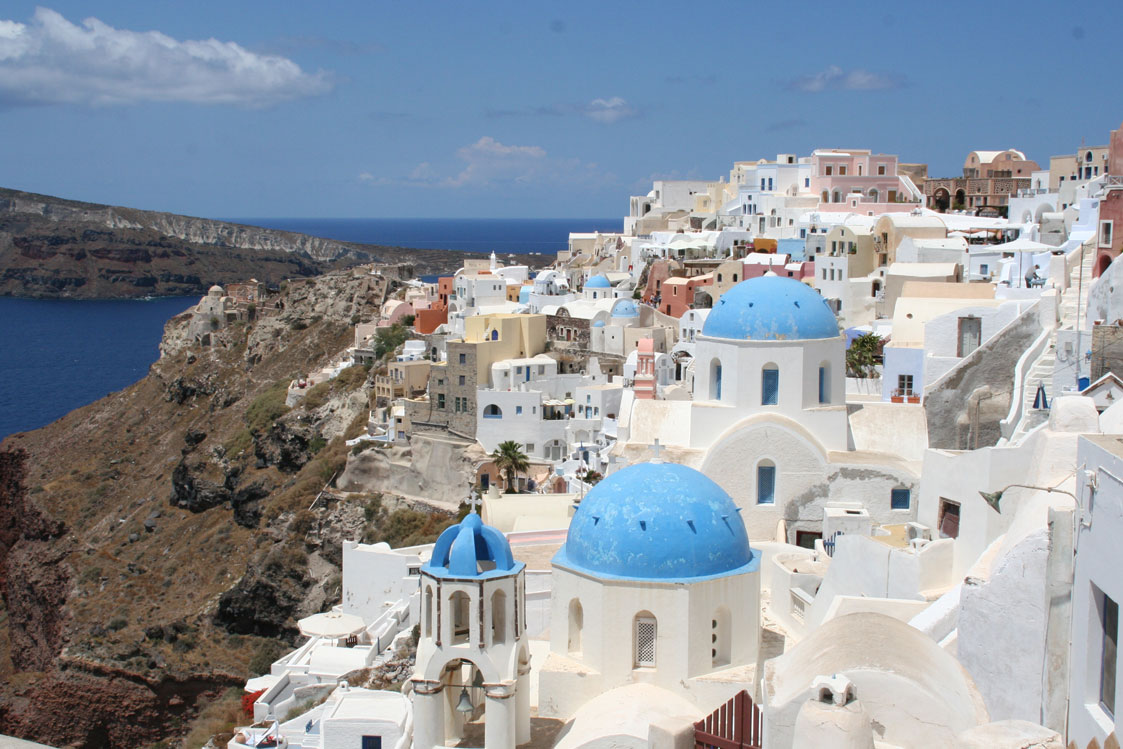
(334,624)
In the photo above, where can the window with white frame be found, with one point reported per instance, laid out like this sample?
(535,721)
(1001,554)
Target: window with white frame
(1106,230)
(645,636)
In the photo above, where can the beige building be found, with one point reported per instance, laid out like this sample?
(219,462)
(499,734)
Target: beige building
(403,379)
(856,242)
(891,228)
(1087,163)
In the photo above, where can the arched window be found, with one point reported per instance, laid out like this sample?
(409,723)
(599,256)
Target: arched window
(645,634)
(1088,157)
(428,611)
(498,617)
(873,194)
(492,411)
(576,623)
(495,335)
(720,636)
(715,380)
(837,197)
(824,383)
(460,607)
(766,482)
(769,385)
(825,197)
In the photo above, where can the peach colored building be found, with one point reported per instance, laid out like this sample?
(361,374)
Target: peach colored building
(1109,236)
(678,293)
(989,179)
(644,384)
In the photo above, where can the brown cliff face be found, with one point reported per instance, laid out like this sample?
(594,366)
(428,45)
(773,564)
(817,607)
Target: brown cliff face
(155,549)
(51,247)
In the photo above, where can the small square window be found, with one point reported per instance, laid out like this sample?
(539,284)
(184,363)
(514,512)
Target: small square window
(900,499)
(518,410)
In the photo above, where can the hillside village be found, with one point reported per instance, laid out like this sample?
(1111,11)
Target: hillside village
(824,453)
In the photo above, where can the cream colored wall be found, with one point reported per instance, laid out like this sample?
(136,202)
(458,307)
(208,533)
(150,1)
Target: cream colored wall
(520,336)
(911,314)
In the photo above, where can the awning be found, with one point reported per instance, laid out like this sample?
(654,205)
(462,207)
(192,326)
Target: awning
(334,624)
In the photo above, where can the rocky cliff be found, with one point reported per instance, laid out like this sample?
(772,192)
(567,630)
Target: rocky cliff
(158,546)
(51,247)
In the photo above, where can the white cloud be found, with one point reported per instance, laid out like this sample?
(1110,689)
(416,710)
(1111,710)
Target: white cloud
(490,163)
(53,61)
(835,78)
(609,111)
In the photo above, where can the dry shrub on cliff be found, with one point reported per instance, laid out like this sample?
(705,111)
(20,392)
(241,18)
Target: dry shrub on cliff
(349,379)
(268,406)
(218,718)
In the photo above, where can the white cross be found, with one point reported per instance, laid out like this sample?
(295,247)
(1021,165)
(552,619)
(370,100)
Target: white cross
(474,501)
(656,449)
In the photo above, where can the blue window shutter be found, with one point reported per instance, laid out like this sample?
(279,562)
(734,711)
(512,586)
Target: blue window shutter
(900,499)
(770,387)
(823,385)
(766,485)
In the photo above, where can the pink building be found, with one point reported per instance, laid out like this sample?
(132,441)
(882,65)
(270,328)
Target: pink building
(1109,239)
(678,293)
(858,180)
(644,384)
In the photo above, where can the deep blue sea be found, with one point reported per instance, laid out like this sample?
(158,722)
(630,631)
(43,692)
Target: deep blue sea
(56,356)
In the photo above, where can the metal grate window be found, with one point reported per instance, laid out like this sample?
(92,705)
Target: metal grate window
(645,641)
(900,499)
(770,387)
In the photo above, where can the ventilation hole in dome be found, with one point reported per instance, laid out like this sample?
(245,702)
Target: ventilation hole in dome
(750,304)
(596,519)
(796,303)
(691,524)
(643,525)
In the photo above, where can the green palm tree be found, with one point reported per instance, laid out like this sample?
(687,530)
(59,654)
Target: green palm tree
(510,460)
(863,355)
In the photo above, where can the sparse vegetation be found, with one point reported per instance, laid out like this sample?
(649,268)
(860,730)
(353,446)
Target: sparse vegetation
(387,340)
(218,719)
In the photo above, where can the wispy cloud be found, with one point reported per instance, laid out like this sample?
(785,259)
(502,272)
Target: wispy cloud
(490,163)
(609,111)
(50,60)
(835,78)
(605,111)
(782,125)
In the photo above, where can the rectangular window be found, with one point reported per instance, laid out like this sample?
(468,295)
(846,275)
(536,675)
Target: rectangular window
(984,269)
(518,410)
(842,171)
(518,370)
(881,169)
(541,369)
(904,384)
(766,485)
(807,182)
(1109,620)
(900,499)
(970,335)
(463,358)
(371,742)
(948,521)
(769,387)
(441,401)
(460,380)
(824,395)
(1106,228)
(830,170)
(645,642)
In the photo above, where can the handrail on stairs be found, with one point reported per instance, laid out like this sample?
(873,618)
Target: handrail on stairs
(1021,372)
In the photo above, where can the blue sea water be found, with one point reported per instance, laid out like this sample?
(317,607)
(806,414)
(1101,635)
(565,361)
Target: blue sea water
(58,355)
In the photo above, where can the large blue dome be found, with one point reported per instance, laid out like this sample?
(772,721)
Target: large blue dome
(771,308)
(657,521)
(625,308)
(599,281)
(471,549)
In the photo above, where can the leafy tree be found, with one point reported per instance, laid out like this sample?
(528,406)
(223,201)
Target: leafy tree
(510,460)
(863,355)
(591,477)
(387,340)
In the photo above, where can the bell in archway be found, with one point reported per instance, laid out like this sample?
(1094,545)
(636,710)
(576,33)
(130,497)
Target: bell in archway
(464,705)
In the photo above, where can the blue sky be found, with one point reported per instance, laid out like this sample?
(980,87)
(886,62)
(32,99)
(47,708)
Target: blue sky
(370,109)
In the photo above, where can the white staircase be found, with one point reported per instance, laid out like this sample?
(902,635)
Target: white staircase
(1041,370)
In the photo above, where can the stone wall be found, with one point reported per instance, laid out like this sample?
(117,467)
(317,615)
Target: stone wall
(1107,350)
(965,406)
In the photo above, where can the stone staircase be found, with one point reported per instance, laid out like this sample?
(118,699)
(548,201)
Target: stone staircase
(1041,370)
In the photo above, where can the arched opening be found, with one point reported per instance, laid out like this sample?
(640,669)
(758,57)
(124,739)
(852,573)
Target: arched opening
(824,383)
(769,385)
(576,623)
(715,379)
(960,199)
(1103,262)
(875,288)
(873,194)
(428,613)
(766,482)
(460,606)
(720,638)
(495,335)
(1041,211)
(1088,157)
(941,199)
(498,617)
(837,197)
(492,411)
(553,450)
(645,631)
(825,197)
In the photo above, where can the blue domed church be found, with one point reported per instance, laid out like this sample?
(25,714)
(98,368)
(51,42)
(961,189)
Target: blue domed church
(657,584)
(768,419)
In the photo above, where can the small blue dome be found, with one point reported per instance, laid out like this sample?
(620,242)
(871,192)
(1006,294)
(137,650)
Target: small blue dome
(524,294)
(771,308)
(598,323)
(657,521)
(598,282)
(471,549)
(625,308)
